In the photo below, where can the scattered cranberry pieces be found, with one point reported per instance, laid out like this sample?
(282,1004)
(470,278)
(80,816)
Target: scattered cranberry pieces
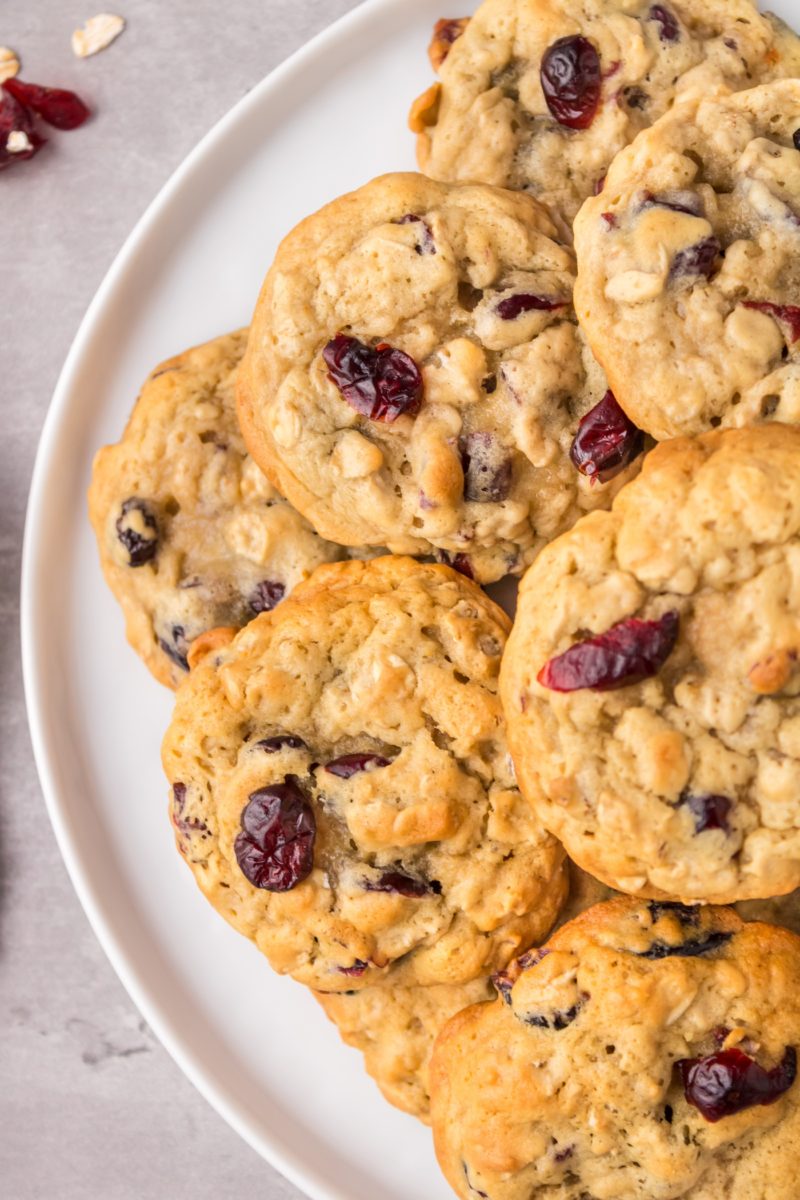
(571,81)
(266,595)
(606,442)
(668,28)
(348,765)
(381,384)
(729,1081)
(15,118)
(625,654)
(524,302)
(404,885)
(60,108)
(696,260)
(709,811)
(425,244)
(281,741)
(786,314)
(275,849)
(487,468)
(141,543)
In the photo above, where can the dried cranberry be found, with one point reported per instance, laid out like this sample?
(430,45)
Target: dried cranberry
(557,1019)
(489,384)
(636,97)
(696,260)
(381,384)
(503,983)
(176,646)
(459,562)
(687,914)
(405,885)
(425,244)
(729,1081)
(709,811)
(796,139)
(282,741)
(487,468)
(682,201)
(358,968)
(562,1155)
(185,824)
(266,595)
(141,543)
(606,442)
(668,28)
(15,118)
(691,948)
(787,314)
(348,765)
(450,29)
(610,219)
(62,109)
(570,75)
(626,653)
(275,849)
(524,302)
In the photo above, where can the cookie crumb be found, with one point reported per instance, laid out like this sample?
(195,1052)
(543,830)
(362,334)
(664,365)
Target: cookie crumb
(97,33)
(18,142)
(9,64)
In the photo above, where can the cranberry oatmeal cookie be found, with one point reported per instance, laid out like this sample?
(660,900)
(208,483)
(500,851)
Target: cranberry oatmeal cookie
(541,94)
(647,1052)
(342,789)
(191,534)
(688,282)
(415,377)
(653,696)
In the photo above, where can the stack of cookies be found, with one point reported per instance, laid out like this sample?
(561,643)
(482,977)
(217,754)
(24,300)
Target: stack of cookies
(568,352)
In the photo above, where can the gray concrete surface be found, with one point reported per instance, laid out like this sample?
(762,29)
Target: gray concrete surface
(90,1104)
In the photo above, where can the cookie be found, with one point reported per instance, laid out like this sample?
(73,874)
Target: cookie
(342,789)
(415,377)
(395,1029)
(688,285)
(648,1051)
(541,94)
(190,532)
(651,683)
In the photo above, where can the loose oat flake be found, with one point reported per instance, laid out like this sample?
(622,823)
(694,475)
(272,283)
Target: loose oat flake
(9,63)
(97,33)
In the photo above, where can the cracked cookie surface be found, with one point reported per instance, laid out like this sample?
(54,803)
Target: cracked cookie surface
(349,749)
(415,376)
(679,778)
(610,68)
(688,284)
(190,532)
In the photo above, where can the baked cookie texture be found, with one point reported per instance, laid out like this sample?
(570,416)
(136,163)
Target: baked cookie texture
(683,784)
(472,464)
(364,710)
(191,534)
(688,284)
(573,1085)
(488,117)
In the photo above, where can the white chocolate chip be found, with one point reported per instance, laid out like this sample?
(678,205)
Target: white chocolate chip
(97,33)
(18,142)
(9,64)
(355,456)
(634,287)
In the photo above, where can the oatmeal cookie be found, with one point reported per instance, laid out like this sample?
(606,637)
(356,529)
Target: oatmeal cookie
(190,532)
(647,1051)
(415,377)
(651,683)
(541,94)
(342,789)
(688,281)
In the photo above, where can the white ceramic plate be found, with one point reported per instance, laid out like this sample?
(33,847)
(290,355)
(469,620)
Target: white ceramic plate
(256,1046)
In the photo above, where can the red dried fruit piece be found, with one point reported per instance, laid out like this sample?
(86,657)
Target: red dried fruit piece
(137,530)
(524,302)
(16,118)
(571,80)
(729,1081)
(487,467)
(786,314)
(668,28)
(381,384)
(275,850)
(348,765)
(404,885)
(358,968)
(709,811)
(445,32)
(699,259)
(266,595)
(680,200)
(58,107)
(606,442)
(281,741)
(425,243)
(625,654)
(459,562)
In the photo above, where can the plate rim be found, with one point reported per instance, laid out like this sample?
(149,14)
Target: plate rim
(291,1166)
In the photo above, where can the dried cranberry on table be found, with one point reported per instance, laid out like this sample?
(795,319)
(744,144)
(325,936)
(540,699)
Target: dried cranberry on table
(627,653)
(60,108)
(18,137)
(571,81)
